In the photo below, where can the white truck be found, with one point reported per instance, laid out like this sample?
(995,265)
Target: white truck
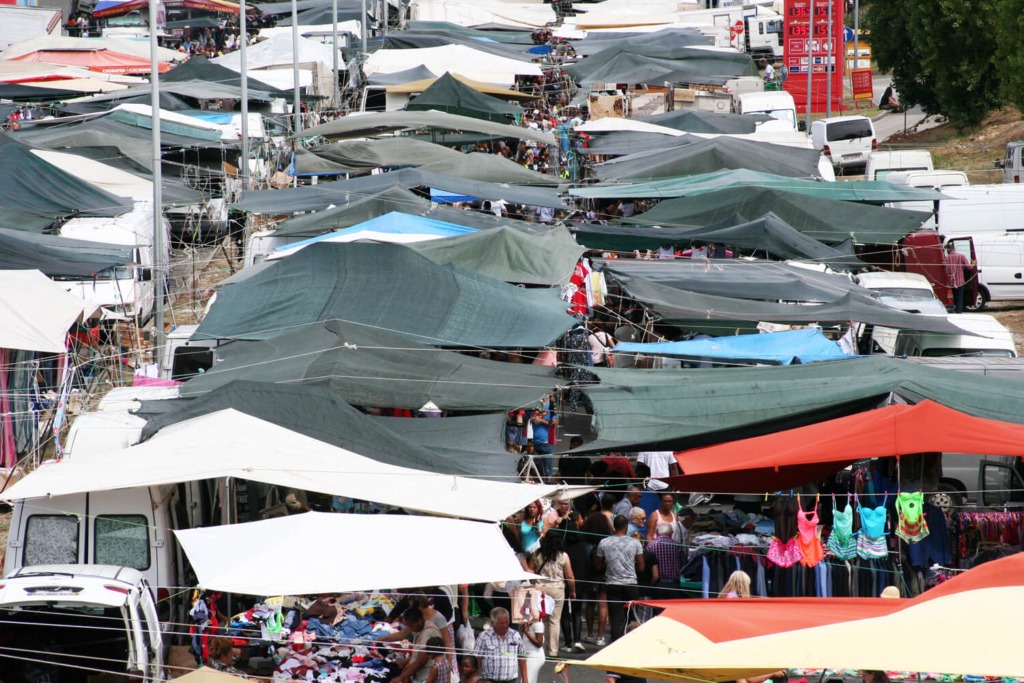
(1013,162)
(884,163)
(124,292)
(18,24)
(761,35)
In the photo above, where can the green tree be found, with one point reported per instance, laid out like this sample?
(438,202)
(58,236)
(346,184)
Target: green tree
(1010,51)
(942,54)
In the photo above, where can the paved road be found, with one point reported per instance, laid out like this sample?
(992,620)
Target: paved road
(888,124)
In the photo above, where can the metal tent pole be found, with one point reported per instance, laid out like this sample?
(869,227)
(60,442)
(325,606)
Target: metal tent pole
(159,238)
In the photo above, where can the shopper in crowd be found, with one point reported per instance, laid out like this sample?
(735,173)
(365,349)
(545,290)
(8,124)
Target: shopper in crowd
(666,513)
(596,528)
(501,656)
(670,559)
(738,586)
(637,524)
(223,655)
(530,526)
(554,565)
(533,644)
(621,558)
(468,670)
(629,501)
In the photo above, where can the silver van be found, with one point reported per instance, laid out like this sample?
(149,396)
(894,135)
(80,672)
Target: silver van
(74,623)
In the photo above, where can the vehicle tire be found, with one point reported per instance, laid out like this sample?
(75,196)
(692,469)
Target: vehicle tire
(979,302)
(947,498)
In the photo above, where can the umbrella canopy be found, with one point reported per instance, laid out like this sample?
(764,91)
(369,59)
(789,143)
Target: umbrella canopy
(760,463)
(213,552)
(230,444)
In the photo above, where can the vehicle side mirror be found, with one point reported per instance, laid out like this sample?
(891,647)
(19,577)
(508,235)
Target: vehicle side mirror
(1000,163)
(801,126)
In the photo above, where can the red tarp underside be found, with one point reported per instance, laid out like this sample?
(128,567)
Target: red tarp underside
(101,61)
(761,463)
(220,6)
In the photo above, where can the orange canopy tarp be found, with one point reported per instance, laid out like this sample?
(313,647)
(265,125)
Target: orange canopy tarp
(101,61)
(784,459)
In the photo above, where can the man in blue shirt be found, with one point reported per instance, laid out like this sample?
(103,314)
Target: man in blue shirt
(543,421)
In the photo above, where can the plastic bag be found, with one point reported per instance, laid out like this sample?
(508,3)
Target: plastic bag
(465,638)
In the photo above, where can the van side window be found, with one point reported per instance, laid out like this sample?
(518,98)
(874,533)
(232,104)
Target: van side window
(122,540)
(51,539)
(848,130)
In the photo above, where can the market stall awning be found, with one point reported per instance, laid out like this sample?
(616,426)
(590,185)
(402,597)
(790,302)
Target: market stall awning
(54,255)
(383,122)
(676,409)
(101,60)
(421,84)
(370,284)
(401,228)
(906,639)
(477,64)
(451,95)
(119,8)
(433,542)
(780,348)
(826,220)
(230,444)
(760,463)
(370,367)
(37,312)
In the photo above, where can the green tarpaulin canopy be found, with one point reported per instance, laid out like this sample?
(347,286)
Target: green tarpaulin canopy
(384,153)
(769,234)
(56,256)
(320,414)
(383,122)
(638,60)
(368,367)
(454,97)
(872,192)
(710,312)
(676,409)
(695,121)
(390,287)
(507,254)
(686,157)
(489,168)
(825,220)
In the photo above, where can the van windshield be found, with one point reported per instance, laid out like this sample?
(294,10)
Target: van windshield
(848,130)
(787,115)
(992,353)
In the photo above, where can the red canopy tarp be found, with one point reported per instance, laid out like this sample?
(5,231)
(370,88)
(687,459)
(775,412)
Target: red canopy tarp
(723,620)
(118,9)
(798,456)
(102,61)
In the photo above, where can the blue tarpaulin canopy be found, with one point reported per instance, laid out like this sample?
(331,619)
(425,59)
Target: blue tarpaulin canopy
(777,348)
(391,223)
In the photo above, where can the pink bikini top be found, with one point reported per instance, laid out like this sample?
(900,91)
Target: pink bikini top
(808,525)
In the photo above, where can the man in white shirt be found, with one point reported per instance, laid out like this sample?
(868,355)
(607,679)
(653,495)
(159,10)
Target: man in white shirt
(662,465)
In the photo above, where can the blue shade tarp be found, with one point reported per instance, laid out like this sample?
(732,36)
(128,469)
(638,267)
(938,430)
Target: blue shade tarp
(392,223)
(368,367)
(775,348)
(389,287)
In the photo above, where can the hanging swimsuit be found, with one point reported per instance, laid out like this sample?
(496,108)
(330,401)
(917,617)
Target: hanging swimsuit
(913,527)
(808,539)
(785,553)
(842,542)
(871,537)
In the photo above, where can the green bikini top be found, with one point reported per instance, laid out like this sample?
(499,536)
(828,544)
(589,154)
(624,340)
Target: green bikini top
(911,506)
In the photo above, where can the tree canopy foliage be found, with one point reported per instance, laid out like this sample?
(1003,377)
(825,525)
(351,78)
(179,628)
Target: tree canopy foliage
(957,58)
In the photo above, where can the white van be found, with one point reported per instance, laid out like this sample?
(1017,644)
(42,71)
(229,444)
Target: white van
(847,140)
(990,338)
(778,104)
(1013,162)
(74,623)
(883,164)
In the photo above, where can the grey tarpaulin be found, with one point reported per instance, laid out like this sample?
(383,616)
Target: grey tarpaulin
(319,197)
(696,121)
(368,367)
(636,60)
(384,153)
(826,220)
(321,414)
(688,157)
(55,256)
(450,95)
(358,208)
(382,122)
(544,258)
(390,287)
(769,234)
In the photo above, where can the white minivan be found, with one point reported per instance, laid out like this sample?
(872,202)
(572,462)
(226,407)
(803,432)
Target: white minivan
(75,623)
(847,140)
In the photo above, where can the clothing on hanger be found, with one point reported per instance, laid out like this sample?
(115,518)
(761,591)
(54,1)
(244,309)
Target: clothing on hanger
(842,542)
(871,537)
(912,527)
(807,537)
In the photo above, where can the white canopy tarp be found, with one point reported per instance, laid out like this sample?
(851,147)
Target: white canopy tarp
(231,444)
(36,311)
(103,176)
(322,33)
(276,51)
(480,66)
(423,558)
(514,15)
(611,124)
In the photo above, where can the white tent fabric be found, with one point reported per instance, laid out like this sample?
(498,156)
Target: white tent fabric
(480,66)
(167,116)
(423,558)
(36,311)
(610,124)
(907,640)
(282,79)
(276,51)
(318,32)
(231,444)
(515,15)
(103,176)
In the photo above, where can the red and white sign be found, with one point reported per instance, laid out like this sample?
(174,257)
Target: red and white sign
(863,88)
(811,47)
